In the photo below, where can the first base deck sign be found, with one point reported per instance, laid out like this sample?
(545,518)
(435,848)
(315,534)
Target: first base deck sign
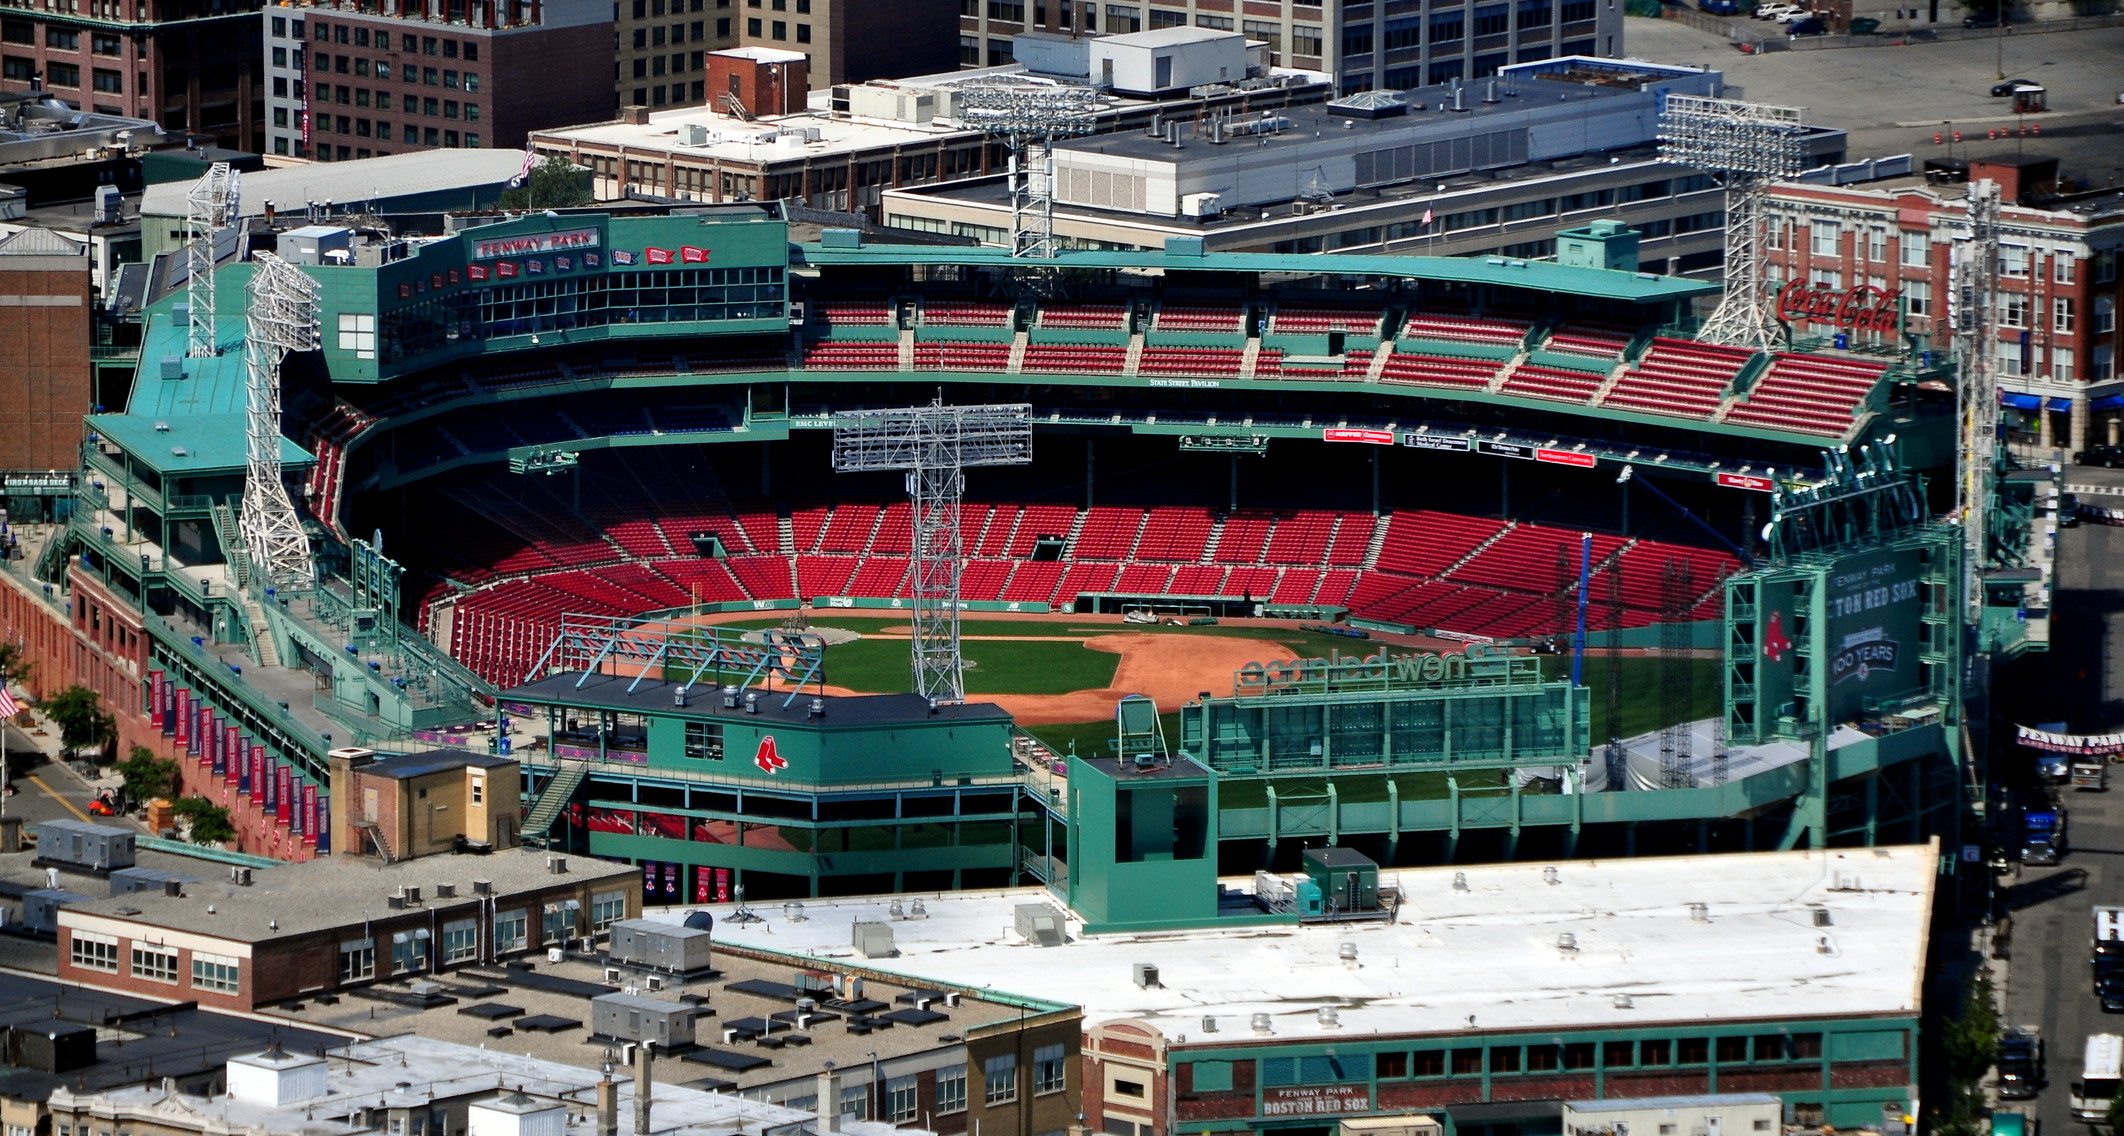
(770,762)
(1368,437)
(1745,481)
(1570,458)
(1451,443)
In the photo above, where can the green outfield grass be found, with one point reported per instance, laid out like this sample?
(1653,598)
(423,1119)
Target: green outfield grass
(1000,667)
(1306,642)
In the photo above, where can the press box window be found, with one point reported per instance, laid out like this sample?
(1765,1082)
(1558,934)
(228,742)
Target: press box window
(704,741)
(357,333)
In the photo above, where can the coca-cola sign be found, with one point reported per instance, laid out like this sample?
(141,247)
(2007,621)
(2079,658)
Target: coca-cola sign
(1863,308)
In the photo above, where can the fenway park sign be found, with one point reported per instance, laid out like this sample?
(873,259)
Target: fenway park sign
(1863,308)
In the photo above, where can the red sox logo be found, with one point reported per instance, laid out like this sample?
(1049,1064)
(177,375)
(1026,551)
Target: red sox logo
(1774,642)
(767,759)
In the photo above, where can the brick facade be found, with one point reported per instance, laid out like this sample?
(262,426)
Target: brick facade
(186,64)
(46,378)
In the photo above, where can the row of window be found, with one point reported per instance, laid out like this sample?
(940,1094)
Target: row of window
(803,7)
(658,35)
(409,44)
(646,9)
(18,69)
(655,65)
(410,949)
(1825,238)
(781,29)
(381,130)
(219,974)
(60,39)
(362,68)
(429,106)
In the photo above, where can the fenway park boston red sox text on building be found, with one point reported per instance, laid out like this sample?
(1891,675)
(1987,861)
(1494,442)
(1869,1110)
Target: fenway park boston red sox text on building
(819,666)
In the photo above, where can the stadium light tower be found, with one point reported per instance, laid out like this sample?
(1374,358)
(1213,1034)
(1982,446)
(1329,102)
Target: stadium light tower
(281,318)
(935,444)
(1028,114)
(1972,308)
(210,206)
(1745,146)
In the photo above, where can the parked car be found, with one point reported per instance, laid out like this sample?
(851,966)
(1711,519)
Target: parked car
(2020,1063)
(1865,25)
(1988,20)
(1773,11)
(2109,983)
(2108,457)
(2068,510)
(2008,87)
(1812,26)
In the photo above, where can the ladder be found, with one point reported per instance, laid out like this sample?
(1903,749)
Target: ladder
(538,823)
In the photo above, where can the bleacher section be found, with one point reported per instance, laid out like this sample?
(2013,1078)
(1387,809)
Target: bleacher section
(1552,382)
(959,313)
(1809,394)
(1083,317)
(1293,320)
(1679,377)
(1185,317)
(1450,328)
(1437,370)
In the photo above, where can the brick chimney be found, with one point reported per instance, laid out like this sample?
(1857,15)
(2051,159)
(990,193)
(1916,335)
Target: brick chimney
(765,80)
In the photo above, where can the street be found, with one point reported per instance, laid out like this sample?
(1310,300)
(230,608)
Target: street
(46,791)
(2048,978)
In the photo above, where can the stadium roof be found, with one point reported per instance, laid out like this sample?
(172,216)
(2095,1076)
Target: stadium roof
(1486,955)
(1547,276)
(363,179)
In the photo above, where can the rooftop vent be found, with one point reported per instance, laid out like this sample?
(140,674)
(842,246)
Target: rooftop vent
(1821,917)
(1209,1023)
(1460,881)
(1347,952)
(1566,941)
(1548,875)
(1699,913)
(1146,975)
(482,887)
(1330,1018)
(1261,1025)
(446,891)
(1624,1002)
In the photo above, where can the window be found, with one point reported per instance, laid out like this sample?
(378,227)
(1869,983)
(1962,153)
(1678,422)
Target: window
(460,940)
(94,952)
(2013,260)
(218,973)
(2104,359)
(1467,1062)
(1160,18)
(999,1076)
(357,333)
(111,82)
(1135,1088)
(1655,1053)
(156,964)
(1121,18)
(1877,245)
(803,33)
(2013,309)
(1732,1049)
(1049,1070)
(1504,1059)
(1618,1054)
(2063,268)
(607,908)
(509,931)
(1493,19)
(1823,237)
(855,1101)
(1305,40)
(1427,1063)
(781,29)
(357,960)
(450,79)
(951,1089)
(1393,1065)
(753,24)
(899,1099)
(62,39)
(2105,314)
(63,75)
(471,81)
(1447,27)
(1356,39)
(409,951)
(105,43)
(704,741)
(1534,13)
(1917,297)
(2061,314)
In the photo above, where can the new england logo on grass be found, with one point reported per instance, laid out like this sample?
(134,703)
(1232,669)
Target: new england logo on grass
(1862,653)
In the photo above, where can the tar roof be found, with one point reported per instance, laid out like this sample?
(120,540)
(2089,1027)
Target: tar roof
(405,765)
(1489,953)
(334,891)
(289,188)
(612,692)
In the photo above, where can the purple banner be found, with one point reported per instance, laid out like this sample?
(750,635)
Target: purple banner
(323,839)
(182,711)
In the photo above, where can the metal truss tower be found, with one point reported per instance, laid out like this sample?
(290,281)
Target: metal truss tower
(1971,314)
(1028,114)
(935,444)
(1746,146)
(210,208)
(1677,678)
(281,318)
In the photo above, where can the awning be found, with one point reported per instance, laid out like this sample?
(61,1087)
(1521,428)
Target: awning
(2107,402)
(2061,406)
(2020,401)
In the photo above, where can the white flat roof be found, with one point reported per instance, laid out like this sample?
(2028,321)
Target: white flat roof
(1165,37)
(734,139)
(1486,957)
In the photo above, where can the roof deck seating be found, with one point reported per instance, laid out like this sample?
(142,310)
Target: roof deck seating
(1452,328)
(961,356)
(1300,320)
(1174,533)
(1588,341)
(1034,581)
(1190,361)
(824,575)
(848,528)
(1353,539)
(830,356)
(1086,317)
(1244,536)
(1109,532)
(1809,393)
(1421,542)
(965,313)
(1553,382)
(1198,580)
(1196,317)
(853,312)
(1301,537)
(1076,358)
(1679,377)
(1437,370)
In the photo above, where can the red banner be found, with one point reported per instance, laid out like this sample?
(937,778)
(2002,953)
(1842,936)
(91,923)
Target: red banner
(658,256)
(476,272)
(1368,437)
(1745,481)
(1566,457)
(692,255)
(505,270)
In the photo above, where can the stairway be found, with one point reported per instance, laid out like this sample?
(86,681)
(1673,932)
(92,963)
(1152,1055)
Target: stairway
(538,823)
(1210,543)
(1249,358)
(1478,550)
(1018,342)
(1135,354)
(370,830)
(1076,527)
(1504,373)
(785,532)
(907,340)
(232,547)
(1380,356)
(261,635)
(1378,541)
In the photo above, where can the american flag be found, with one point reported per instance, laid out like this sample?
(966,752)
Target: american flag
(530,159)
(1427,215)
(8,706)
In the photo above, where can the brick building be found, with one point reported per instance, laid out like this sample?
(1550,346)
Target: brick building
(350,80)
(419,804)
(2056,351)
(339,921)
(190,65)
(664,46)
(46,378)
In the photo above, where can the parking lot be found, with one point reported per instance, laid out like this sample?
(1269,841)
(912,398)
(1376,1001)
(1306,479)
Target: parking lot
(1893,99)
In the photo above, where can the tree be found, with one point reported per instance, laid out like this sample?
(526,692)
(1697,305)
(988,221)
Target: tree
(147,776)
(209,822)
(1969,1047)
(14,665)
(80,717)
(555,183)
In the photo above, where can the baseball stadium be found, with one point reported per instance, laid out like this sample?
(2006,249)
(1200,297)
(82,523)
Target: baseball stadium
(829,567)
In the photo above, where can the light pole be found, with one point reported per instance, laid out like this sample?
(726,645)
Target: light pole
(1999,39)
